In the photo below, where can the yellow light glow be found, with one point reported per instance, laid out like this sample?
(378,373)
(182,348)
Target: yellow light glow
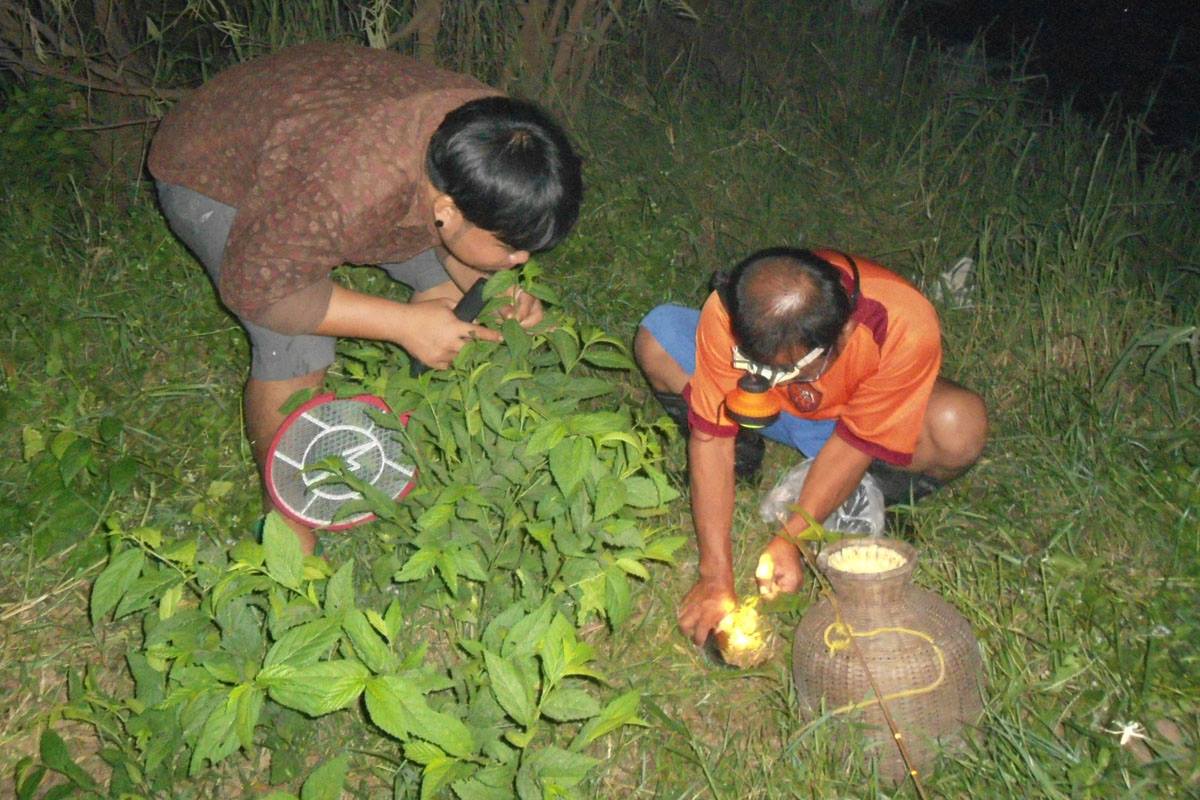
(765,570)
(742,636)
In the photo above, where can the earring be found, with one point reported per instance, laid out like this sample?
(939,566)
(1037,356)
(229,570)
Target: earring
(439,223)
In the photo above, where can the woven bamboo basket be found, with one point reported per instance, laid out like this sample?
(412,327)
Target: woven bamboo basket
(920,650)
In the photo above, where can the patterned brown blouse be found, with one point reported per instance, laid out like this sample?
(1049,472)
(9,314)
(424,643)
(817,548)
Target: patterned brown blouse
(321,150)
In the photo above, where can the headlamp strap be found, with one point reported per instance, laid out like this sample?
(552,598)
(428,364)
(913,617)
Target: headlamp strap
(774,375)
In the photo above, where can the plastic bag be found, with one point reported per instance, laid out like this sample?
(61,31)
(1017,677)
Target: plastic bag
(861,513)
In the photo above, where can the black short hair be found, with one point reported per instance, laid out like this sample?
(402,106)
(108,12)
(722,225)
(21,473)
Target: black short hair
(781,298)
(510,169)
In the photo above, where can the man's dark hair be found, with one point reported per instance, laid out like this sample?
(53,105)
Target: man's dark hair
(781,298)
(510,169)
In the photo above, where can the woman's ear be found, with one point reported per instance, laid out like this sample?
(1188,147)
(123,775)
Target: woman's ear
(446,215)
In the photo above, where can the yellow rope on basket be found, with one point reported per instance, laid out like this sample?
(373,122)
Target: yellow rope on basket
(844,632)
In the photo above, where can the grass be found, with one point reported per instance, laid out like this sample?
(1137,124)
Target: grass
(1072,547)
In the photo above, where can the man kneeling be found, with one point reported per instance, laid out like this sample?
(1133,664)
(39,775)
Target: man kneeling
(848,353)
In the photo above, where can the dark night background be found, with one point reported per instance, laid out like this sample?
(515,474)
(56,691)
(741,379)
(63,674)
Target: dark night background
(1100,55)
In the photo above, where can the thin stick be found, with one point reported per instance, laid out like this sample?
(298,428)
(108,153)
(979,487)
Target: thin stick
(125,123)
(827,588)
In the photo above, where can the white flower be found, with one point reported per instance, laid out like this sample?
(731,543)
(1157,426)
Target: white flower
(1127,731)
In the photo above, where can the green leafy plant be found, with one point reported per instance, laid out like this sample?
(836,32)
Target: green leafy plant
(533,517)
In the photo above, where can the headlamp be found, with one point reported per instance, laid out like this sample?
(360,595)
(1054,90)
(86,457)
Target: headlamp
(751,404)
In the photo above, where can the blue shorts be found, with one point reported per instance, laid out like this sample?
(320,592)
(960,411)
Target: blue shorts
(674,327)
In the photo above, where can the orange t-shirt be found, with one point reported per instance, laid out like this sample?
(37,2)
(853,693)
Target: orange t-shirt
(876,389)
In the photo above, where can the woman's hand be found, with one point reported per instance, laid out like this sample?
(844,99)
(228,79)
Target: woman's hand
(525,308)
(428,329)
(431,333)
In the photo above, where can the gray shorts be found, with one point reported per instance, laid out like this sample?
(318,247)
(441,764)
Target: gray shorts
(203,225)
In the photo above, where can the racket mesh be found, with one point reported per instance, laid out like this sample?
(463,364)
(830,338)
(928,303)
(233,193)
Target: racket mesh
(337,432)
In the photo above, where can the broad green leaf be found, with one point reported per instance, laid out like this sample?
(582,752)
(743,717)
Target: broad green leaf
(421,752)
(115,581)
(32,443)
(393,618)
(610,497)
(170,601)
(562,766)
(633,567)
(55,755)
(326,781)
(516,339)
(447,567)
(498,283)
(663,548)
(475,789)
(149,537)
(492,413)
(552,649)
(339,592)
(618,712)
(74,459)
(526,633)
(285,560)
(316,689)
(568,705)
(435,775)
(435,517)
(304,644)
(570,461)
(541,532)
(182,553)
(641,492)
(566,345)
(509,689)
(596,423)
(385,706)
(607,358)
(122,474)
(61,441)
(368,645)
(591,597)
(624,437)
(398,707)
(418,566)
(378,622)
(545,437)
(489,783)
(617,603)
(527,785)
(218,737)
(469,566)
(250,700)
(151,586)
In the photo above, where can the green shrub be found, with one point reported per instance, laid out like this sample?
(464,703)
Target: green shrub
(533,516)
(38,146)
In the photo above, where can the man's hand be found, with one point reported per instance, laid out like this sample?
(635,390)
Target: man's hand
(524,308)
(780,568)
(704,607)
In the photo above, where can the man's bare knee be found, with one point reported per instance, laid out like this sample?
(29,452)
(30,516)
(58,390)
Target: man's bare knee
(960,428)
(661,370)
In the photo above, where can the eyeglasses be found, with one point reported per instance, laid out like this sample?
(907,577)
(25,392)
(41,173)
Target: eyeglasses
(800,372)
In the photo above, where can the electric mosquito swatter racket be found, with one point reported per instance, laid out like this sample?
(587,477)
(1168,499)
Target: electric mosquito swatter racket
(326,430)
